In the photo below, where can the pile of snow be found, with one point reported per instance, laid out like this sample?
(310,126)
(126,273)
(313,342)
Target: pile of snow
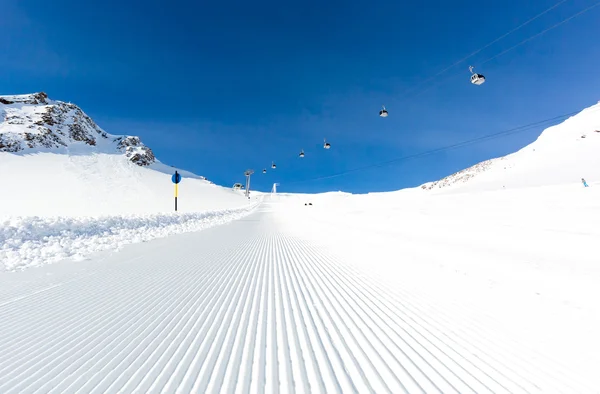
(564,153)
(68,188)
(35,241)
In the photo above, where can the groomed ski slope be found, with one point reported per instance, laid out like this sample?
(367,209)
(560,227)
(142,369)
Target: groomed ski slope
(58,206)
(260,305)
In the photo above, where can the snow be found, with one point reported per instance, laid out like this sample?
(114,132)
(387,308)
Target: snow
(34,123)
(564,153)
(35,241)
(487,281)
(50,184)
(57,206)
(305,299)
(77,190)
(526,258)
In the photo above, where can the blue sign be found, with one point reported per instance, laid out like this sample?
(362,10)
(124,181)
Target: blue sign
(176,178)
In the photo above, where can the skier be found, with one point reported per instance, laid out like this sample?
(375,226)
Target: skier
(584,182)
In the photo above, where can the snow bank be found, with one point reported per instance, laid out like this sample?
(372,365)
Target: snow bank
(95,184)
(57,206)
(562,154)
(35,241)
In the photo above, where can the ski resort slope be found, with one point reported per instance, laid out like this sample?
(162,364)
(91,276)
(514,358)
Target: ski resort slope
(562,154)
(56,161)
(487,281)
(58,206)
(69,189)
(90,184)
(296,298)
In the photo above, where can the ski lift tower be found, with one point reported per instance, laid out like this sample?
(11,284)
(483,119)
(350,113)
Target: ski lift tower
(274,191)
(248,173)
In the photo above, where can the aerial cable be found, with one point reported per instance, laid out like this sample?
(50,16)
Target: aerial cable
(441,149)
(491,43)
(509,49)
(542,32)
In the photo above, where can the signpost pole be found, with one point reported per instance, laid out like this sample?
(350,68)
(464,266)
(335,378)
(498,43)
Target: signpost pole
(176,179)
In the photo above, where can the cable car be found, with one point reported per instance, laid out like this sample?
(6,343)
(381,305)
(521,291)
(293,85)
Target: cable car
(302,153)
(476,79)
(264,171)
(273,165)
(326,145)
(383,113)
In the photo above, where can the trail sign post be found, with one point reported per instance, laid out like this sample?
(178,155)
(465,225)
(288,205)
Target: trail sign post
(176,178)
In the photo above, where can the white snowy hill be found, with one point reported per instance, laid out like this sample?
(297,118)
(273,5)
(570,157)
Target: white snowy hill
(562,154)
(54,160)
(33,122)
(61,175)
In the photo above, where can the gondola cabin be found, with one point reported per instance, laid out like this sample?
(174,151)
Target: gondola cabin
(477,79)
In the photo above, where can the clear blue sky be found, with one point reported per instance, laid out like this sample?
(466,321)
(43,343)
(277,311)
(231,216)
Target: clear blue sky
(217,87)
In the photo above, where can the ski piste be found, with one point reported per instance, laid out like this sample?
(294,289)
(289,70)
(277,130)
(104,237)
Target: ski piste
(252,306)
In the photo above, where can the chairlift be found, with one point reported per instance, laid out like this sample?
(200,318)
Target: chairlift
(383,113)
(302,153)
(273,165)
(264,171)
(326,145)
(476,79)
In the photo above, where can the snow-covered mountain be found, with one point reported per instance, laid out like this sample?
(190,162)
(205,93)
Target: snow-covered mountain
(56,161)
(33,122)
(563,153)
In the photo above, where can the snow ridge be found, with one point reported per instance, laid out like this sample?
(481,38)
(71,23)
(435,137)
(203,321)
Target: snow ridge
(36,241)
(562,153)
(33,122)
(462,176)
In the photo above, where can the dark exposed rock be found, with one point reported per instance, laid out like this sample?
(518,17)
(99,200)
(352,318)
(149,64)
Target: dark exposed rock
(9,145)
(135,150)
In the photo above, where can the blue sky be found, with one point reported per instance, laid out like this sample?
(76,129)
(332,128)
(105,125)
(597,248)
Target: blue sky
(217,88)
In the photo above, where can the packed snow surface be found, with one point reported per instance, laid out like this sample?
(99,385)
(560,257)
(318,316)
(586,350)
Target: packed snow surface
(336,297)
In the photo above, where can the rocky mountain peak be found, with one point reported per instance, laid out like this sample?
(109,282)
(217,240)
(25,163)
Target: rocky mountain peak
(33,121)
